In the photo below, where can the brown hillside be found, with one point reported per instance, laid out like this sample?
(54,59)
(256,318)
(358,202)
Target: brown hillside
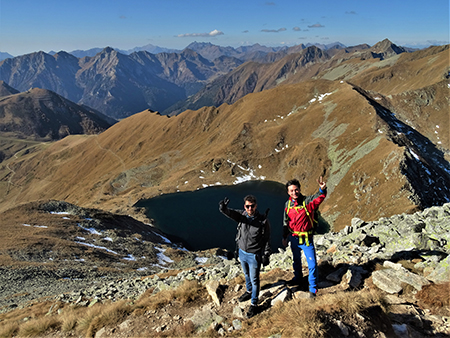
(43,115)
(304,130)
(410,72)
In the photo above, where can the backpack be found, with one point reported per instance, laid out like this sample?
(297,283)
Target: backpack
(314,220)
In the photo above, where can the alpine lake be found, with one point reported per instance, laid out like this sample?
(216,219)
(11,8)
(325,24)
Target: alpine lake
(193,219)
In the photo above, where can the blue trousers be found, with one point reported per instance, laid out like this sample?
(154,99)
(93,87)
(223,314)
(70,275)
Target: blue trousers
(251,265)
(310,254)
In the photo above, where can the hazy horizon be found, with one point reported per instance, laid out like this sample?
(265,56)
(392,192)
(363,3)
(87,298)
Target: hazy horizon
(49,25)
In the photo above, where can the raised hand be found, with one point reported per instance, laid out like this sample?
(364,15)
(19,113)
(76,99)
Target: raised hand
(322,184)
(223,204)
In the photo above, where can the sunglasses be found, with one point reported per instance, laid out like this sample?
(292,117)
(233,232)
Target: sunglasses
(248,206)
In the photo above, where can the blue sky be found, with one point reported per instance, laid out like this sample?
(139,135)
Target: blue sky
(27,26)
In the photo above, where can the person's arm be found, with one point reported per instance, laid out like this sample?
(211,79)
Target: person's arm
(235,215)
(265,259)
(267,250)
(322,190)
(318,197)
(314,204)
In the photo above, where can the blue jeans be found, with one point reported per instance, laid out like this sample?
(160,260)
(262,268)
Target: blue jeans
(251,264)
(310,254)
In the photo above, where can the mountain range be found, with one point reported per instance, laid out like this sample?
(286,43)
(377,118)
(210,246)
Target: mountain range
(115,84)
(374,127)
(120,85)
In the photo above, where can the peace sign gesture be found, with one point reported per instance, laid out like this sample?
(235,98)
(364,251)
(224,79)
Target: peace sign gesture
(322,184)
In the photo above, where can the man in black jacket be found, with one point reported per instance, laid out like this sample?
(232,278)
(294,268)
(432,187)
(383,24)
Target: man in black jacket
(253,241)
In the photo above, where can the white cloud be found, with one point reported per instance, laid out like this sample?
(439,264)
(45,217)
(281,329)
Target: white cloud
(214,32)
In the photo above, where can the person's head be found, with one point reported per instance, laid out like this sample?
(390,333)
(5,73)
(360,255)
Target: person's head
(250,204)
(293,188)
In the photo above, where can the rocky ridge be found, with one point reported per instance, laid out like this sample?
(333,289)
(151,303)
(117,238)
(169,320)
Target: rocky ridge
(401,255)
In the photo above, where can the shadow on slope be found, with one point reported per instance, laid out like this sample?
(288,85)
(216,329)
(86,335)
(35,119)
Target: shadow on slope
(424,165)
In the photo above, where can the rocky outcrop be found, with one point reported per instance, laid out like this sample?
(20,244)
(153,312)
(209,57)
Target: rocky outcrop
(423,237)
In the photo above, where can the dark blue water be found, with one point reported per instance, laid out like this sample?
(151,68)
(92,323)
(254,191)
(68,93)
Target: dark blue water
(193,218)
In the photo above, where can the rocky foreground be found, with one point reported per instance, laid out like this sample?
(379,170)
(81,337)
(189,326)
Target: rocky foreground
(403,256)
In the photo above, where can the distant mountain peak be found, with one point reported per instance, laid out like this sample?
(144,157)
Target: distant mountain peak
(108,50)
(198,44)
(385,49)
(386,43)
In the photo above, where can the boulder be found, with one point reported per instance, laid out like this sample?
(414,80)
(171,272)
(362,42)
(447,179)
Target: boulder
(213,288)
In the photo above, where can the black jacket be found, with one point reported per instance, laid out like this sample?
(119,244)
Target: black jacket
(253,233)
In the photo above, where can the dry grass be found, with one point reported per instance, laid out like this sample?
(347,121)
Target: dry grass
(281,318)
(82,320)
(109,315)
(85,321)
(36,327)
(21,321)
(304,318)
(437,297)
(152,302)
(187,292)
(69,320)
(9,329)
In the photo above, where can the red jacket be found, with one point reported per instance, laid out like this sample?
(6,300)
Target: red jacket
(295,216)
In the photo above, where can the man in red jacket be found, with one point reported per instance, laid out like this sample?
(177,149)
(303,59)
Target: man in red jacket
(298,224)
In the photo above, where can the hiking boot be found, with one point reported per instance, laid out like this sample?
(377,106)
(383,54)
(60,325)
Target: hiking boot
(252,311)
(245,296)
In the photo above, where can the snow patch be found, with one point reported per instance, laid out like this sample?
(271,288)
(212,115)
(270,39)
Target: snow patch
(90,230)
(414,154)
(201,260)
(97,247)
(142,269)
(130,257)
(166,240)
(163,259)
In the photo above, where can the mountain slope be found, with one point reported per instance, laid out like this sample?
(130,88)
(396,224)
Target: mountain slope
(252,77)
(40,114)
